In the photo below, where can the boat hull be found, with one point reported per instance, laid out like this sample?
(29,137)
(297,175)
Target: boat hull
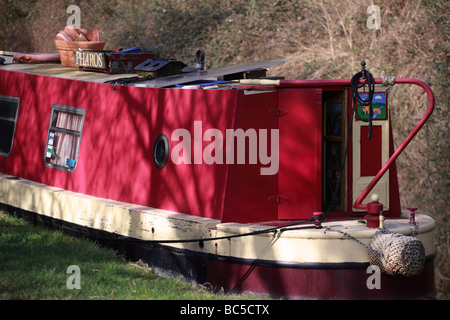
(276,264)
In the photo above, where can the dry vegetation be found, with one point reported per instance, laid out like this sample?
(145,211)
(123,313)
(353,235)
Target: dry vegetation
(317,39)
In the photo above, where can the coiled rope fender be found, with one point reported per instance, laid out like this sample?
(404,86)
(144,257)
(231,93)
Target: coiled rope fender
(401,255)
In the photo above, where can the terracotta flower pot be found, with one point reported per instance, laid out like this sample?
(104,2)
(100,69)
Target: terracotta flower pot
(66,49)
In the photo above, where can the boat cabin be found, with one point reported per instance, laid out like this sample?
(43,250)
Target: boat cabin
(212,143)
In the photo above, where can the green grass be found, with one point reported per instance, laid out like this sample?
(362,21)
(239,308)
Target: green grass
(34,262)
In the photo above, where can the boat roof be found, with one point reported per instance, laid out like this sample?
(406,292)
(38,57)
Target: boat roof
(58,71)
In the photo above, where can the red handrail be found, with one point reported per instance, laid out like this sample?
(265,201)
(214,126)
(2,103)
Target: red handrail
(358,203)
(336,82)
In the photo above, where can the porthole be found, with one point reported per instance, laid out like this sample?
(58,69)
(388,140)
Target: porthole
(161,151)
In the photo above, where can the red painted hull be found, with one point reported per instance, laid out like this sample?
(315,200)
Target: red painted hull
(332,281)
(290,280)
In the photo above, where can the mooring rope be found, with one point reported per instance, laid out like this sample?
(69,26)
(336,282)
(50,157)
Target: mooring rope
(275,230)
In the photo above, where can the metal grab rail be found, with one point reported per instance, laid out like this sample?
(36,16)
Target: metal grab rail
(346,82)
(358,203)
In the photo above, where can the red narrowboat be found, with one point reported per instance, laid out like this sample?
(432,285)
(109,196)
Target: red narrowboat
(286,188)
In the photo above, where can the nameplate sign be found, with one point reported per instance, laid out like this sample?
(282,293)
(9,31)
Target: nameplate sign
(90,59)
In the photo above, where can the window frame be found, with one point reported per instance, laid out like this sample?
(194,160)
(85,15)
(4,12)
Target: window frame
(70,110)
(17,100)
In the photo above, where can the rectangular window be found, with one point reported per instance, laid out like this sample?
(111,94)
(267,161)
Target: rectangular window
(9,107)
(64,137)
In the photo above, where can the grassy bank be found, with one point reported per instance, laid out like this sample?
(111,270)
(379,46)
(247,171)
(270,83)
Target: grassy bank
(34,262)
